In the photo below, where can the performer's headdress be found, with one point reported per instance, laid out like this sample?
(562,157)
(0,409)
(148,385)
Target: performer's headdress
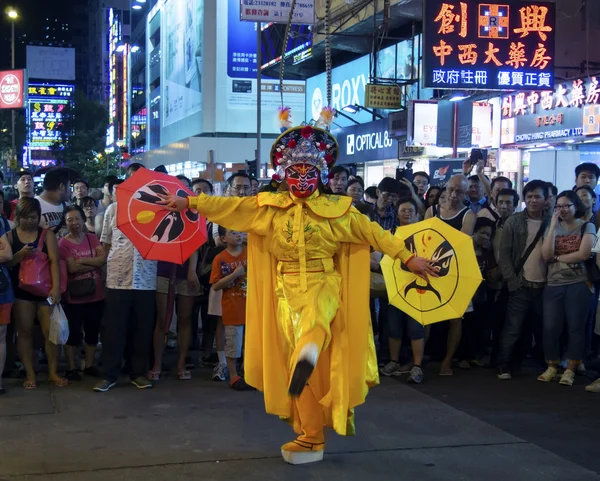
(304,145)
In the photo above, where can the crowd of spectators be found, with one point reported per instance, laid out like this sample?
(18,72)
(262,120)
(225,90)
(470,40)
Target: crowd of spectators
(539,296)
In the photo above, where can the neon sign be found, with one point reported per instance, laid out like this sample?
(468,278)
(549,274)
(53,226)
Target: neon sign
(46,118)
(50,91)
(488,46)
(572,109)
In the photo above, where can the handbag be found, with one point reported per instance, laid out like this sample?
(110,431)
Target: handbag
(35,276)
(83,287)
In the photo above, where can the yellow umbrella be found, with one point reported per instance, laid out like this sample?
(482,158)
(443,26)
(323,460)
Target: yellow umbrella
(442,298)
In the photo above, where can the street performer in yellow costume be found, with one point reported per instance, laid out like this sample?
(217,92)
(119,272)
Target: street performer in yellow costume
(309,342)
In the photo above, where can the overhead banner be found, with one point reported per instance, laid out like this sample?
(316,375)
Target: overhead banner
(13,93)
(571,110)
(51,63)
(276,11)
(488,46)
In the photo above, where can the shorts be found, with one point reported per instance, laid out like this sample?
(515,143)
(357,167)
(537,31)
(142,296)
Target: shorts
(182,287)
(399,322)
(234,340)
(5,314)
(214,302)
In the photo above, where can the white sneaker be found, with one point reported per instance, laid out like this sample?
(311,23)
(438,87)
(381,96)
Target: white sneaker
(220,372)
(548,375)
(594,387)
(568,378)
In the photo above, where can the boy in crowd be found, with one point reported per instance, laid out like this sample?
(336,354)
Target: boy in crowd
(54,198)
(81,189)
(24,187)
(229,275)
(399,322)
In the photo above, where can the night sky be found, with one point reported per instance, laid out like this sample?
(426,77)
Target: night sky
(32,15)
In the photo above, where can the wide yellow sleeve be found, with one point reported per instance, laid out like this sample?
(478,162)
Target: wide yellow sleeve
(235,213)
(356,228)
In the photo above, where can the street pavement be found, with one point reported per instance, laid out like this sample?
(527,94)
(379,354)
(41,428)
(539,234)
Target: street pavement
(469,427)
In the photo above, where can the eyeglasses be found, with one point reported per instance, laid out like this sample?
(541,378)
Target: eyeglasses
(561,207)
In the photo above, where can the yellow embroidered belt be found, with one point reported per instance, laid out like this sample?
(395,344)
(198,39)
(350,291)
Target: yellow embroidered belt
(312,265)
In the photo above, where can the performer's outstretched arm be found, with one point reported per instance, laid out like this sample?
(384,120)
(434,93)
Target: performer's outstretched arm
(235,213)
(357,228)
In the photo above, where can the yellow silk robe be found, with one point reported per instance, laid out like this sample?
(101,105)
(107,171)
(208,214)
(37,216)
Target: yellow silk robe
(285,230)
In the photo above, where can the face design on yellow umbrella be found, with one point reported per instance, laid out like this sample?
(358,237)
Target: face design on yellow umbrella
(435,293)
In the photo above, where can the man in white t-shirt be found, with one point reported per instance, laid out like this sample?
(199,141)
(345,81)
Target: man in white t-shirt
(54,197)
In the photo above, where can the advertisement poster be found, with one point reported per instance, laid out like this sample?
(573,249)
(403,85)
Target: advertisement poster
(241,82)
(182,34)
(441,171)
(279,12)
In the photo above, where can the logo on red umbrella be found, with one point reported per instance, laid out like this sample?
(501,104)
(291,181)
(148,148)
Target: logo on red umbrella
(153,222)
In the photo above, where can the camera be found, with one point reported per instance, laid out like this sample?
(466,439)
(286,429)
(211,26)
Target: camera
(477,155)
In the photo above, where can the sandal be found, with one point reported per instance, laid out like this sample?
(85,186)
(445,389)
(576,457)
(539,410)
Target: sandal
(29,385)
(153,376)
(60,382)
(446,372)
(184,375)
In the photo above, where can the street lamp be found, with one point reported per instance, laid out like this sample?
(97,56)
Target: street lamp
(12,16)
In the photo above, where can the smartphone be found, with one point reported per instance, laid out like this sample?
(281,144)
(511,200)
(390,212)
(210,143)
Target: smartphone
(404,174)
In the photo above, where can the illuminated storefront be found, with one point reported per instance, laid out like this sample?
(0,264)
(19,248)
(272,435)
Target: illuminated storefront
(554,129)
(47,108)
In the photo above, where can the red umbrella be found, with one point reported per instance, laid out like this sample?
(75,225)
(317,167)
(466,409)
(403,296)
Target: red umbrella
(155,232)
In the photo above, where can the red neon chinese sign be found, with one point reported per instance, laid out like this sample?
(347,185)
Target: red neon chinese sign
(489,46)
(12,89)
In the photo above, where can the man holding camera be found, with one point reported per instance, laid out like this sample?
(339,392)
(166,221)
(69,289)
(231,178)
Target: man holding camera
(478,184)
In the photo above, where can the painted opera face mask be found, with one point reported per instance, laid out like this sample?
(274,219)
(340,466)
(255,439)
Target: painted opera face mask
(302,180)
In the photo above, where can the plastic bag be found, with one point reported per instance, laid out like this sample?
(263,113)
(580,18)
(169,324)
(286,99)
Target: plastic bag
(59,326)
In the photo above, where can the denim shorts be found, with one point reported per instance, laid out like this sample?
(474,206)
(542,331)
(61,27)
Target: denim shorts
(399,322)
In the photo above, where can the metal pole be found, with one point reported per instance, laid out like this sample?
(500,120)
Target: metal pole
(12,112)
(455,130)
(258,98)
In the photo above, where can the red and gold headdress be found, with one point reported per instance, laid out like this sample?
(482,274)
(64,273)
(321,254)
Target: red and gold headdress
(304,145)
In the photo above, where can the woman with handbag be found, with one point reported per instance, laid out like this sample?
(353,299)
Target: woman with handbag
(25,240)
(85,290)
(567,245)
